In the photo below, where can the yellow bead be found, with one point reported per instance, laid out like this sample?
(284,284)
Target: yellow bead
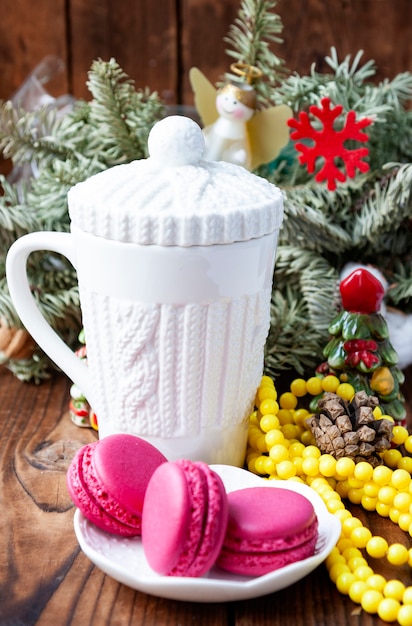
(342,488)
(344,581)
(289,431)
(334,557)
(410,554)
(310,466)
(405,463)
(394,515)
(383,509)
(408,444)
(388,609)
(363,471)
(402,501)
(391,457)
(399,435)
(394,589)
(376,581)
(260,465)
(370,600)
(363,572)
(300,416)
(269,406)
(267,380)
(344,543)
(278,453)
(269,422)
(350,524)
(404,616)
(288,401)
(400,478)
(345,391)
(266,392)
(397,554)
(311,451)
(314,386)
(330,383)
(355,483)
(356,590)
(334,505)
(342,514)
(327,465)
(307,438)
(350,552)
(387,494)
(382,475)
(296,449)
(298,387)
(274,437)
(285,416)
(360,536)
(355,495)
(261,444)
(298,462)
(371,489)
(407,595)
(377,412)
(336,570)
(285,469)
(377,547)
(368,503)
(269,466)
(357,561)
(345,466)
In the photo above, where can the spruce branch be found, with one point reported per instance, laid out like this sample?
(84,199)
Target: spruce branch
(249,38)
(114,110)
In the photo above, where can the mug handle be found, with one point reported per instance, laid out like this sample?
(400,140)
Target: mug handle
(28,311)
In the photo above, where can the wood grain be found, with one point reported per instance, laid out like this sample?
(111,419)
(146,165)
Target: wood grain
(157,42)
(44,577)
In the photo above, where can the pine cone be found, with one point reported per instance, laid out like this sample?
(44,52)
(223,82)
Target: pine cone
(349,429)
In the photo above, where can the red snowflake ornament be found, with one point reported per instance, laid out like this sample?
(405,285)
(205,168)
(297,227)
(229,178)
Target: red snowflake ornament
(329,143)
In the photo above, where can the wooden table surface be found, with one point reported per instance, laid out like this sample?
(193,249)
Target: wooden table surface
(46,580)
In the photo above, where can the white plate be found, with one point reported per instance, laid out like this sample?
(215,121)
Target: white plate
(124,560)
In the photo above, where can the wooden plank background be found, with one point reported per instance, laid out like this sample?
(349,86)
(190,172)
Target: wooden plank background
(156,43)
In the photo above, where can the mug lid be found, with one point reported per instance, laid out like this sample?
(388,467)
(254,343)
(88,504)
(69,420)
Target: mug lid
(174,197)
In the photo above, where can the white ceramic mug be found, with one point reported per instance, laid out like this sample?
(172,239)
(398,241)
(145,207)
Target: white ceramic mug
(175,336)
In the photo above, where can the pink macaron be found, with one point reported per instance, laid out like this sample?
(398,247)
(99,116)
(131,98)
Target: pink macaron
(184,518)
(267,529)
(107,481)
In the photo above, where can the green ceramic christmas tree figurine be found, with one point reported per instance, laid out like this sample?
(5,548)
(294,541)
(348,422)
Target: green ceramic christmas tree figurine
(360,351)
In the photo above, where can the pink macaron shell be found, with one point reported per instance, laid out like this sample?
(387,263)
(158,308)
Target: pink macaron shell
(186,564)
(184,519)
(123,465)
(166,518)
(97,491)
(215,524)
(85,502)
(260,563)
(268,528)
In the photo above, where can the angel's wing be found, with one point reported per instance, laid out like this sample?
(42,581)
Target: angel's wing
(205,96)
(268,133)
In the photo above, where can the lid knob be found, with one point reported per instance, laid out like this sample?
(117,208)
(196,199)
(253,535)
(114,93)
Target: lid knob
(176,140)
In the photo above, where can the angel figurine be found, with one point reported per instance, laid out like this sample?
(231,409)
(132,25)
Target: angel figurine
(234,130)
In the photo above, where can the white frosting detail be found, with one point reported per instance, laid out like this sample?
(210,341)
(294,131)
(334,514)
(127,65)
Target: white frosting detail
(174,198)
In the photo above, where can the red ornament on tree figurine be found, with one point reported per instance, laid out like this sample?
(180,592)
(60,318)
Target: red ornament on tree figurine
(329,143)
(361,292)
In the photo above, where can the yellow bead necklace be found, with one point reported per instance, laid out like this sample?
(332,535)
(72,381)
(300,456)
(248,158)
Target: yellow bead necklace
(281,446)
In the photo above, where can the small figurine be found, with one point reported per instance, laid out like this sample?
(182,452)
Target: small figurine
(360,351)
(234,130)
(80,410)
